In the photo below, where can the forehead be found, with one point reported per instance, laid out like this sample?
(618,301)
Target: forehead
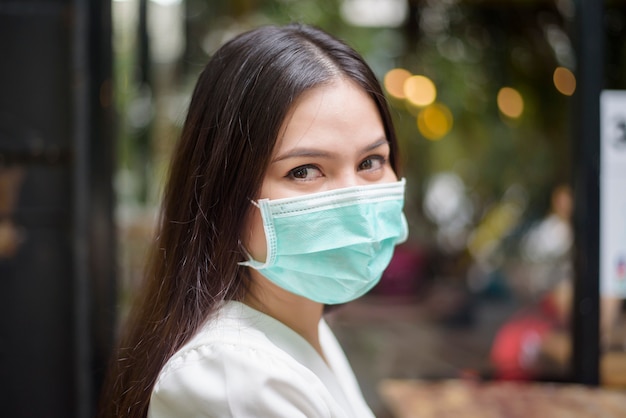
(327,114)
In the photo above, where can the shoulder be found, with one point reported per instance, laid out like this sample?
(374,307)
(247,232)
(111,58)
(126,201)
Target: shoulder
(236,372)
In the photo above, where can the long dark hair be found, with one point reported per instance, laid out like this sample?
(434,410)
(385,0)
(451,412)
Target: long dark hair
(237,108)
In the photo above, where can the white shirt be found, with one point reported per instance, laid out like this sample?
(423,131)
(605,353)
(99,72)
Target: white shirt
(243,363)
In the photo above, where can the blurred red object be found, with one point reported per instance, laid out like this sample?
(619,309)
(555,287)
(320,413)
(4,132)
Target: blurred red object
(404,273)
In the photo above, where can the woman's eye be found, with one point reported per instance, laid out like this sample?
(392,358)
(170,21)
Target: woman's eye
(305,172)
(372,163)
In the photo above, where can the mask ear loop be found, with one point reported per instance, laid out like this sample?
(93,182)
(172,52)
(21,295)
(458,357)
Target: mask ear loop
(270,238)
(244,250)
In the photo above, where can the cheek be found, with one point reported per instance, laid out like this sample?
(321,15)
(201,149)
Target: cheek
(391,175)
(253,238)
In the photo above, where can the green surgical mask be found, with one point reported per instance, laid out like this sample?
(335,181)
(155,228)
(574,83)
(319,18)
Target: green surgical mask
(332,247)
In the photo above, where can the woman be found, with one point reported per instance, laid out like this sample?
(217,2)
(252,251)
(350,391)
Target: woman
(282,198)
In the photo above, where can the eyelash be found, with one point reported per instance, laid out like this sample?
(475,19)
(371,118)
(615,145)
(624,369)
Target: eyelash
(382,160)
(379,158)
(291,174)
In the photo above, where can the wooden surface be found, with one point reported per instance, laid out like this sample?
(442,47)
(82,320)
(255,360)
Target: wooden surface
(473,399)
(613,369)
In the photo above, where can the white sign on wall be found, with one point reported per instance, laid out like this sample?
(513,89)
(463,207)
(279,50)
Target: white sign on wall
(613,193)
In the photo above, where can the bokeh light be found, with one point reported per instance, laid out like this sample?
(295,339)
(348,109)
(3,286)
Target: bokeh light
(434,121)
(394,82)
(510,102)
(564,81)
(420,90)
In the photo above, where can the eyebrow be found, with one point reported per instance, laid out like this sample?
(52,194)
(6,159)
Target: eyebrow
(316,153)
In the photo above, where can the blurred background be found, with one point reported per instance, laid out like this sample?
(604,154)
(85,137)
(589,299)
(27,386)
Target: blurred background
(489,99)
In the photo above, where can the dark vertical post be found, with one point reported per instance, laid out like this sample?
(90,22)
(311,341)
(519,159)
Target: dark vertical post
(142,150)
(94,232)
(589,38)
(37,349)
(92,221)
(80,207)
(56,152)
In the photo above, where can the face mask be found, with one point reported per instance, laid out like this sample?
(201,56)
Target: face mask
(332,247)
